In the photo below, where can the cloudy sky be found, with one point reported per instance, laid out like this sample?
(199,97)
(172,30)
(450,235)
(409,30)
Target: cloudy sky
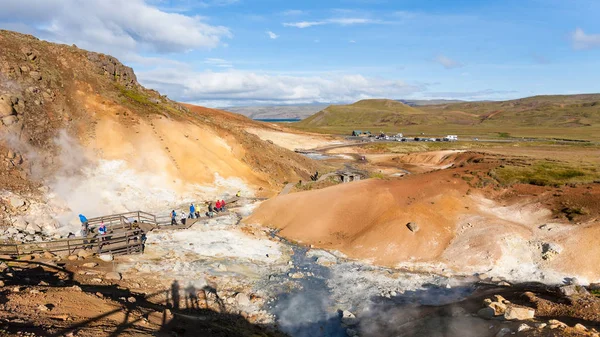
(252,52)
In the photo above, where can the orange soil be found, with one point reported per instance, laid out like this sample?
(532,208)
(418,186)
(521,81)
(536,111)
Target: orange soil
(367,219)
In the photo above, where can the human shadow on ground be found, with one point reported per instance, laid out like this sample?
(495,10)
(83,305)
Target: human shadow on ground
(174,311)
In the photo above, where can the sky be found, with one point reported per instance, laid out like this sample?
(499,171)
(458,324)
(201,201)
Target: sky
(222,53)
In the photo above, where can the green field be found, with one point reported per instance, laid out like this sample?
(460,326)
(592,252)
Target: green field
(575,117)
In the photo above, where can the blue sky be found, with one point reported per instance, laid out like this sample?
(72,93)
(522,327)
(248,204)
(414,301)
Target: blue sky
(244,52)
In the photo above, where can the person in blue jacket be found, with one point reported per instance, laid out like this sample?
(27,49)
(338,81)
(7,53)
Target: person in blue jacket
(83,219)
(192,211)
(173,218)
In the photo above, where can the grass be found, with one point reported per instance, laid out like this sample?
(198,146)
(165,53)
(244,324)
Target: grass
(573,117)
(546,173)
(135,96)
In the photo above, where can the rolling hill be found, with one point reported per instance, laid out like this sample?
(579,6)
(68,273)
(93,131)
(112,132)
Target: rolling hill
(558,116)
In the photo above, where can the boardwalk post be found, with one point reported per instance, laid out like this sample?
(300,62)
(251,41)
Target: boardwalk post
(17,249)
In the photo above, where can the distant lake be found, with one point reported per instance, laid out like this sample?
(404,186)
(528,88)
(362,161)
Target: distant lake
(278,120)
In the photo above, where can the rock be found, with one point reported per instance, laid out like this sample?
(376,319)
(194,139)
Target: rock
(523,327)
(501,299)
(540,325)
(503,332)
(16,289)
(11,154)
(573,290)
(9,120)
(90,264)
(27,257)
(85,253)
(131,299)
(504,284)
(580,327)
(106,257)
(221,267)
(24,69)
(76,288)
(555,324)
(1,283)
(499,308)
(48,255)
(6,109)
(296,275)
(242,299)
(96,280)
(113,275)
(486,313)
(35,75)
(550,250)
(45,307)
(518,313)
(413,227)
(72,257)
(348,318)
(16,201)
(20,224)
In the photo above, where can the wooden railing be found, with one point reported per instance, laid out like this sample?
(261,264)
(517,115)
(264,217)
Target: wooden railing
(114,242)
(123,237)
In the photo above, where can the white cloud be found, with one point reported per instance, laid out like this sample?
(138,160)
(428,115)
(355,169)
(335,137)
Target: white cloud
(216,62)
(272,35)
(242,88)
(447,62)
(581,40)
(113,26)
(333,21)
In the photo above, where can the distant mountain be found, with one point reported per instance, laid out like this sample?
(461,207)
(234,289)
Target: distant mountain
(278,112)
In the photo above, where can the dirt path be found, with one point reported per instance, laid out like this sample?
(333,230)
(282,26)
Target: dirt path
(286,189)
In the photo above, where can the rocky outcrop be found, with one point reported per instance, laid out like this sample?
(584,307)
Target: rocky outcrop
(112,68)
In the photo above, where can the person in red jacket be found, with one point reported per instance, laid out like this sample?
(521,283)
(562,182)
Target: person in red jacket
(218,206)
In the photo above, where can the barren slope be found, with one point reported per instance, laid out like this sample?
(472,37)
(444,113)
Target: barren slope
(82,116)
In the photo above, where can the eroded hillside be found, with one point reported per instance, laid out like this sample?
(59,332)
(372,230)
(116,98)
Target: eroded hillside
(76,124)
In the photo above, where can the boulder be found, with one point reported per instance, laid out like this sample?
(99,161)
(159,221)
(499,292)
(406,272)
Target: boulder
(16,201)
(580,327)
(486,313)
(9,120)
(113,275)
(72,258)
(348,318)
(242,300)
(413,227)
(573,290)
(540,325)
(20,224)
(556,324)
(499,308)
(106,257)
(90,265)
(550,250)
(11,154)
(85,253)
(48,255)
(6,109)
(518,313)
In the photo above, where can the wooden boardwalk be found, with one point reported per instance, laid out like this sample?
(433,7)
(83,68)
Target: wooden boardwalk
(126,234)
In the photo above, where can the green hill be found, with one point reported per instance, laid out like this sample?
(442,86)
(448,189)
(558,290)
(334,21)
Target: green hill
(372,112)
(558,116)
